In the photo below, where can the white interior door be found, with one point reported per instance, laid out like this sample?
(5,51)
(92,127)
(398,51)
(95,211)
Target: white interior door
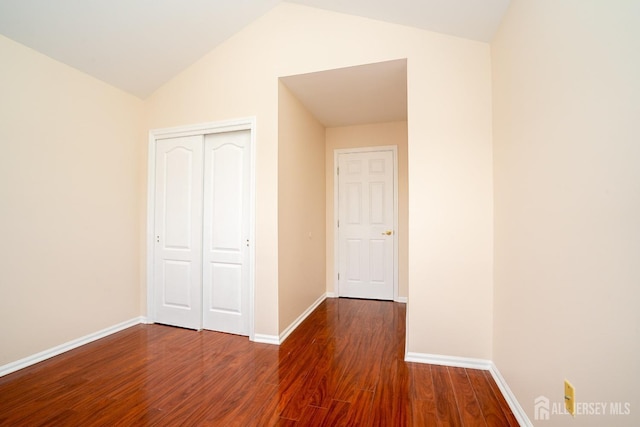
(226,232)
(366,205)
(178,231)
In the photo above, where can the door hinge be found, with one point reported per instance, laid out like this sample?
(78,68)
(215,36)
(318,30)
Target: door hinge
(338,276)
(338,223)
(338,173)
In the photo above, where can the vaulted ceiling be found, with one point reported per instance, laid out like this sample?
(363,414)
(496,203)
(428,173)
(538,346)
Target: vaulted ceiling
(138,45)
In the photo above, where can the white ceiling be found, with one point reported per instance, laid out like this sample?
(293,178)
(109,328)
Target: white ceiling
(138,45)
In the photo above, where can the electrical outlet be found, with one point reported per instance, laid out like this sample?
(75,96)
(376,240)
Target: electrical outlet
(569,398)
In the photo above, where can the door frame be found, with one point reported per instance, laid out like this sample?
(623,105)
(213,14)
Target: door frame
(336,237)
(249,124)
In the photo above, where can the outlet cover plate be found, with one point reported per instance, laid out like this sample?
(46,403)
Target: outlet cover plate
(569,398)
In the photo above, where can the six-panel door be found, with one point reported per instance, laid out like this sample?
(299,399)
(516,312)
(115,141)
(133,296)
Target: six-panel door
(366,225)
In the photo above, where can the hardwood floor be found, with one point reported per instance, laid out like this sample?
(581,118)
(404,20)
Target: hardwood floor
(342,367)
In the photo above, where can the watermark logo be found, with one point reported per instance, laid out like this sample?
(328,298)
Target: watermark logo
(543,408)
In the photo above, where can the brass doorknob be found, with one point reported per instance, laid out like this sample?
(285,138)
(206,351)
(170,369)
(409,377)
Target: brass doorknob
(388,232)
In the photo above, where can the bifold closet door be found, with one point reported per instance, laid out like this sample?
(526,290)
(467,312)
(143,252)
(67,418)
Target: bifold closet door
(178,232)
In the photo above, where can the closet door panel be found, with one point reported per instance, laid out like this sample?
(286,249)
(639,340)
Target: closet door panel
(178,231)
(226,232)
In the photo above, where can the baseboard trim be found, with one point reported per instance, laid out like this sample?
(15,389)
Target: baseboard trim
(458,362)
(517,410)
(62,348)
(277,340)
(266,339)
(292,327)
(402,300)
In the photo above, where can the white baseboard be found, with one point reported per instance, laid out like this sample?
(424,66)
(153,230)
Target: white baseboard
(398,299)
(517,410)
(458,362)
(300,319)
(54,351)
(266,339)
(277,340)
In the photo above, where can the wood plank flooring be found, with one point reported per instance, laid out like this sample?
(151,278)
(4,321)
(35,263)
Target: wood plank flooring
(343,366)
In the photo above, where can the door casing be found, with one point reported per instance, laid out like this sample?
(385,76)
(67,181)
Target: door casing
(190,130)
(336,242)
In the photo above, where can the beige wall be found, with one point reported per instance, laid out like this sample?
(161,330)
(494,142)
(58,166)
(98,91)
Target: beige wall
(567,203)
(69,203)
(449,144)
(301,208)
(370,135)
(450,201)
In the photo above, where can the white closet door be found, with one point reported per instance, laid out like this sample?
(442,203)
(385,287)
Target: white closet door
(226,232)
(178,231)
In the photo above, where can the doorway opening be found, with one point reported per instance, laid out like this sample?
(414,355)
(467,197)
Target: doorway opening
(339,109)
